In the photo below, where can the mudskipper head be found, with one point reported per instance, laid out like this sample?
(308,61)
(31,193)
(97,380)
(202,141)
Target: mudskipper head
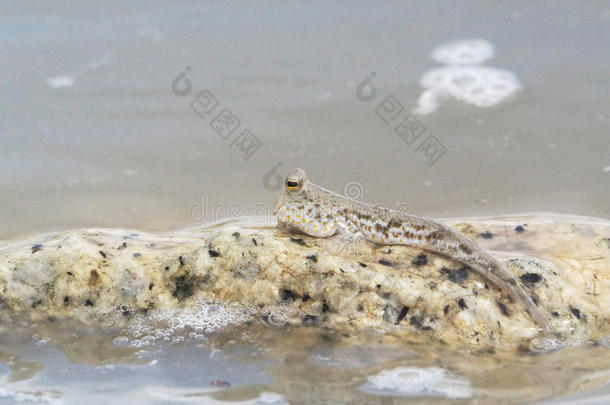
(294,195)
(305,207)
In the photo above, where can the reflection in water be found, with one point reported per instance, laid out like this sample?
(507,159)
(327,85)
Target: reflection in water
(19,369)
(256,362)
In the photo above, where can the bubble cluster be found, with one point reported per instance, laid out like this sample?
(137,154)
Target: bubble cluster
(463,79)
(476,85)
(415,381)
(465,52)
(277,318)
(40,341)
(175,326)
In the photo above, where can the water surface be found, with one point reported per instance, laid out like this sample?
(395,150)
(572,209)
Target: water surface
(92,134)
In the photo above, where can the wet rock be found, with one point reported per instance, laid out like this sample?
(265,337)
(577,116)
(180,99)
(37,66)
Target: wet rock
(389,289)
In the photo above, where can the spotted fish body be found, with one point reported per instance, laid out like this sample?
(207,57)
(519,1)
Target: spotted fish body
(315,211)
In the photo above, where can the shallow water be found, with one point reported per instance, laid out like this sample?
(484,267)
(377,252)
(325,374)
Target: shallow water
(259,362)
(92,134)
(118,148)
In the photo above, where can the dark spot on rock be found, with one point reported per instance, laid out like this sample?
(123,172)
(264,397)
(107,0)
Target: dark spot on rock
(236,235)
(465,248)
(360,308)
(575,312)
(36,303)
(298,241)
(432,285)
(66,300)
(309,320)
(457,276)
(519,229)
(127,313)
(184,287)
(362,264)
(313,258)
(88,303)
(427,327)
(37,247)
(503,308)
(150,286)
(386,296)
(385,262)
(420,260)
(446,309)
(70,273)
(403,312)
(213,253)
(93,278)
(325,307)
(288,295)
(530,278)
(511,281)
(306,297)
(123,246)
(137,254)
(255,242)
(416,321)
(555,314)
(378,286)
(103,254)
(462,303)
(486,235)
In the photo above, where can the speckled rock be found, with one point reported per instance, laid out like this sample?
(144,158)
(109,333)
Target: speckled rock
(90,275)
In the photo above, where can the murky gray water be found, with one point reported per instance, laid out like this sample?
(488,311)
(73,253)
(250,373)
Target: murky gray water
(92,133)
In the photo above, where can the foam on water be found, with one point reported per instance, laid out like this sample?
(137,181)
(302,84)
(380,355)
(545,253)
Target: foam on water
(68,79)
(58,82)
(175,326)
(465,52)
(464,79)
(414,381)
(47,397)
(475,85)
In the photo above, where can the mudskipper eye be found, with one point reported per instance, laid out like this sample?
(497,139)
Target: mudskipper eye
(292,184)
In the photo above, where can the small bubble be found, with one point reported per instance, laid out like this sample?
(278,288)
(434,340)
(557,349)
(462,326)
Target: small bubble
(277,318)
(120,341)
